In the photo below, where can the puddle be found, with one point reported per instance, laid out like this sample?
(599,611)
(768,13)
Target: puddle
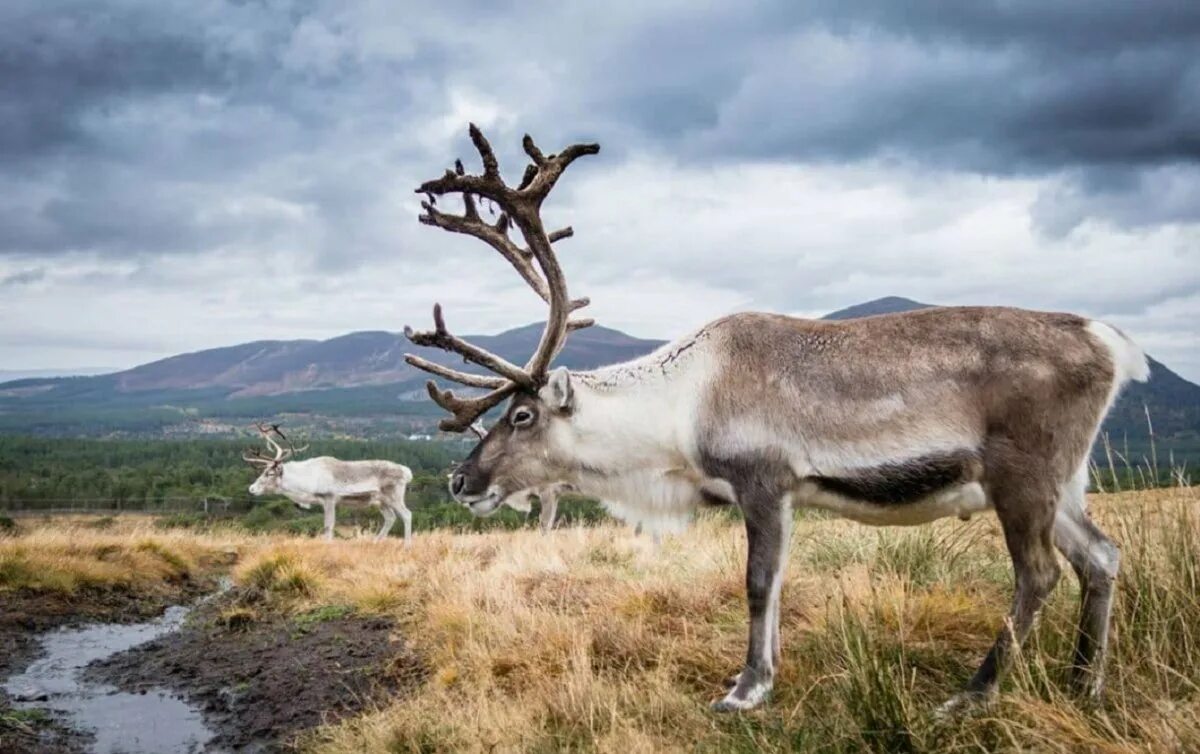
(156,722)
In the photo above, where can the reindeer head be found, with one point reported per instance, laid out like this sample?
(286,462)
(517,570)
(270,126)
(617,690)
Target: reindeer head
(526,448)
(271,467)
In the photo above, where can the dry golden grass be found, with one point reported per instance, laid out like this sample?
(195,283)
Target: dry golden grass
(589,639)
(65,557)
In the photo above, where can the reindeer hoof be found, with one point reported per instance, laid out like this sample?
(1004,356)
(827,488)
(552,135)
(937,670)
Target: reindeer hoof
(960,704)
(748,692)
(732,703)
(732,681)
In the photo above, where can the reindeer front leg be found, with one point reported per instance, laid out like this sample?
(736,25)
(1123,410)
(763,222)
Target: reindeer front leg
(549,511)
(768,530)
(330,505)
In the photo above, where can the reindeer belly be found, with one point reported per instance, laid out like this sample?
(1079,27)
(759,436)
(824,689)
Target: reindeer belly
(357,499)
(914,491)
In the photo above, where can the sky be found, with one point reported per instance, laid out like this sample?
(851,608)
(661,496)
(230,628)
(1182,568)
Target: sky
(185,174)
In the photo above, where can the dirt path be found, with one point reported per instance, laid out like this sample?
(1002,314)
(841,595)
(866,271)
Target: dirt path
(261,682)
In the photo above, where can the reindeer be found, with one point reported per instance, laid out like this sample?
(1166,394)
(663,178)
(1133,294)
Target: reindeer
(548,497)
(326,481)
(888,420)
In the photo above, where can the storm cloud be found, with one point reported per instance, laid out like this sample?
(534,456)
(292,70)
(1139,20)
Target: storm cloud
(221,171)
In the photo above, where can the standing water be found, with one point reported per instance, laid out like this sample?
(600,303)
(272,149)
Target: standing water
(156,722)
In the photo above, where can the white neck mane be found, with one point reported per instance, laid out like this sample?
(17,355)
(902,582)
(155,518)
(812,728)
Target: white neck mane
(633,434)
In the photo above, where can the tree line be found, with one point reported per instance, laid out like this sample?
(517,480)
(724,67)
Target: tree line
(179,476)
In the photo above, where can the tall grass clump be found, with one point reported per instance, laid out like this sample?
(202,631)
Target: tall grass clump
(1157,615)
(278,574)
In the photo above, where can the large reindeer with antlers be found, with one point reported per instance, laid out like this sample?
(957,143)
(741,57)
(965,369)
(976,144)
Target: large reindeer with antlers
(894,419)
(328,482)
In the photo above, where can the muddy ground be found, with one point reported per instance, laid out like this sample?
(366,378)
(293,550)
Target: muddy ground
(260,678)
(25,615)
(262,681)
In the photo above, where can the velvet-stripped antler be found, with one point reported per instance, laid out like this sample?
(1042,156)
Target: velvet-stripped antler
(520,206)
(291,447)
(268,433)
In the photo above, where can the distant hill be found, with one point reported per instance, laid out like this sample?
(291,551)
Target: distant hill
(359,384)
(885,305)
(356,384)
(8,375)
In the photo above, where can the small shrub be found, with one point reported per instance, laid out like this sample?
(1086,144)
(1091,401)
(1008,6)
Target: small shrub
(237,618)
(8,527)
(916,556)
(23,720)
(173,559)
(103,523)
(306,621)
(183,521)
(280,574)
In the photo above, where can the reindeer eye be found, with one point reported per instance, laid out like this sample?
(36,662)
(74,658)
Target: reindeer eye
(522,417)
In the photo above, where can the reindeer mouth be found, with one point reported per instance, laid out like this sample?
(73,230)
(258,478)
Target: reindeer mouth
(485,504)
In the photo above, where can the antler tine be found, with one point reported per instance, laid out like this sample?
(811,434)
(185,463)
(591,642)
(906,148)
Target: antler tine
(466,411)
(292,449)
(276,448)
(441,338)
(490,184)
(495,236)
(463,378)
(256,457)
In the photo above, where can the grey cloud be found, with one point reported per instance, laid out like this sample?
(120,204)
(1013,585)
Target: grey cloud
(24,277)
(123,125)
(144,131)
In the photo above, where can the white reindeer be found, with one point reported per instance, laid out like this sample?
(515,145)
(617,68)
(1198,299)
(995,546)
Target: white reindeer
(894,419)
(328,482)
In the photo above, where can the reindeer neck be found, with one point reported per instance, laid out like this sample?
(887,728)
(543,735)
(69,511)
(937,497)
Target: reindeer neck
(629,422)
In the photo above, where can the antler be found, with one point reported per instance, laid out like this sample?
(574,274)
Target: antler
(281,454)
(256,457)
(521,206)
(291,447)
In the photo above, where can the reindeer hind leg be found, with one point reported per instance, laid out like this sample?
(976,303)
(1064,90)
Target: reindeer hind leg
(1095,560)
(1025,504)
(389,520)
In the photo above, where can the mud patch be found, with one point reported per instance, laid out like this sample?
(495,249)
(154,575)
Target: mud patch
(27,615)
(263,681)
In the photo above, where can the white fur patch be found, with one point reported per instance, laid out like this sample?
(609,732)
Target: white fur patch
(962,500)
(754,697)
(1129,361)
(661,503)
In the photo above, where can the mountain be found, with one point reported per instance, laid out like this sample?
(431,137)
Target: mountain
(273,367)
(885,305)
(359,383)
(9,375)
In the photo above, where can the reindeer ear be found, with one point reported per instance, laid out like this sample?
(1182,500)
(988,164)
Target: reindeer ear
(558,392)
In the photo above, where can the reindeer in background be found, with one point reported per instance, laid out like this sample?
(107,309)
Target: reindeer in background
(328,482)
(888,420)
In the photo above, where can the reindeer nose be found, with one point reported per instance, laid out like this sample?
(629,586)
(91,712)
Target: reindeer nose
(457,482)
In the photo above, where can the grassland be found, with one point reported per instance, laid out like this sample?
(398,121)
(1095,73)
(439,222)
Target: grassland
(590,639)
